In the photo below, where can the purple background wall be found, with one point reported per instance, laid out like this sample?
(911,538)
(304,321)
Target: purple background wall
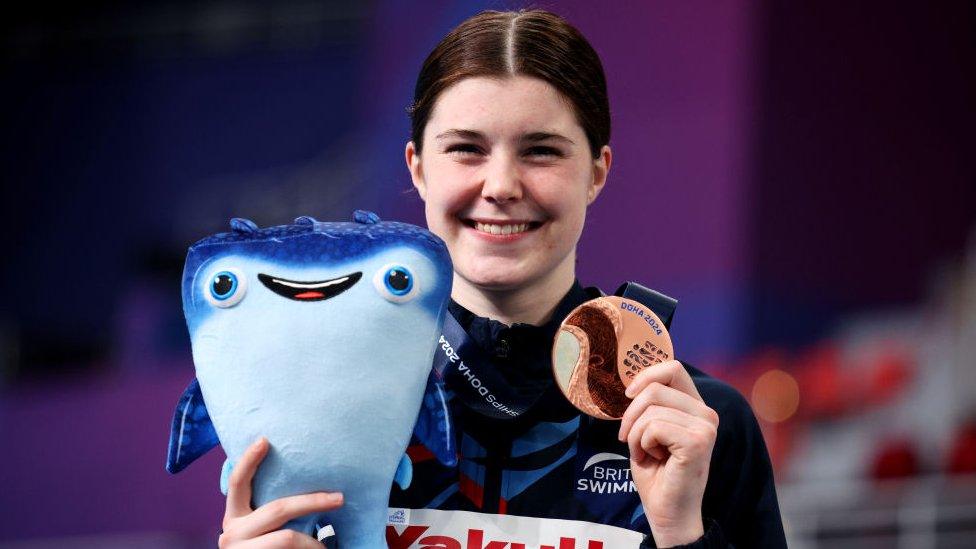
(865,180)
(776,167)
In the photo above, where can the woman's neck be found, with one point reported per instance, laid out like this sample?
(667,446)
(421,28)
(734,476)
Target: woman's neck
(530,304)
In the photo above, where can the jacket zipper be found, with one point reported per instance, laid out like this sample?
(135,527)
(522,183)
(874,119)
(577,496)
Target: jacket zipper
(494,466)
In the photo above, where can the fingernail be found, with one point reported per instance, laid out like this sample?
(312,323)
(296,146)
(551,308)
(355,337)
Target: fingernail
(629,392)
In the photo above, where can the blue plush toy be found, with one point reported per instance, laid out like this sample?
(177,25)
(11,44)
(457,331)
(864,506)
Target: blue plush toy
(318,336)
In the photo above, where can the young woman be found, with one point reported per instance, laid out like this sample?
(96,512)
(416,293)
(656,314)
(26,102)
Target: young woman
(510,144)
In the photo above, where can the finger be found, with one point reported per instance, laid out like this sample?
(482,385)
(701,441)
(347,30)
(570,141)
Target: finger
(686,437)
(662,413)
(637,451)
(239,483)
(671,373)
(661,395)
(275,514)
(686,445)
(289,539)
(687,434)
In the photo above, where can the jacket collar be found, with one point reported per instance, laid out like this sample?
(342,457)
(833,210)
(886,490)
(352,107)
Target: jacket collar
(486,331)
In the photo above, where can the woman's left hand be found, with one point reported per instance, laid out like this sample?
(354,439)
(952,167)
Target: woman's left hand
(671,432)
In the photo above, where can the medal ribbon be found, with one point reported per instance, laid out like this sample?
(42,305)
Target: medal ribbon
(468,372)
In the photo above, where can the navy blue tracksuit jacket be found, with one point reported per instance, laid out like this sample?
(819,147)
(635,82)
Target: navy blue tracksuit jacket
(555,463)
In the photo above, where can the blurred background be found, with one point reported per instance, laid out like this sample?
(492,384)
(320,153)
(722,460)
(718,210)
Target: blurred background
(800,175)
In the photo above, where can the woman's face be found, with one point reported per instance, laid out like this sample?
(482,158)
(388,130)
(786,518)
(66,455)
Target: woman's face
(506,175)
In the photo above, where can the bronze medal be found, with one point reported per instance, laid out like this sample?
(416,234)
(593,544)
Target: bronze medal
(601,347)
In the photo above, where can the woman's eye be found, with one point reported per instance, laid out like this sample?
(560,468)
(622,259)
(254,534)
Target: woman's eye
(464,149)
(544,152)
(226,288)
(396,283)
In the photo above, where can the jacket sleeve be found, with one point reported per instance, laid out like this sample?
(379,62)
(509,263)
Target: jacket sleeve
(740,496)
(713,539)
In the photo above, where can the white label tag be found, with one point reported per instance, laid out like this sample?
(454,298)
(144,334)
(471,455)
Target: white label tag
(398,516)
(325,532)
(435,529)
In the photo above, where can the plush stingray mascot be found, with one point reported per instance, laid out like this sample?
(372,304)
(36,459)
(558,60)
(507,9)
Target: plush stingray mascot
(318,336)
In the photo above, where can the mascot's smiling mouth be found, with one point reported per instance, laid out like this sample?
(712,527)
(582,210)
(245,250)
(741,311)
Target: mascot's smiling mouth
(309,291)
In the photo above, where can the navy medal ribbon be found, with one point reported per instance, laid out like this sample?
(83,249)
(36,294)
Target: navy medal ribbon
(467,371)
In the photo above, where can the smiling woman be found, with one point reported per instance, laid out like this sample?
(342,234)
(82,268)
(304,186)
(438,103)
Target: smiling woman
(506,176)
(510,145)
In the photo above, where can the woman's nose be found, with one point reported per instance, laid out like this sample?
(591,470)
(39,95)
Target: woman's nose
(502,181)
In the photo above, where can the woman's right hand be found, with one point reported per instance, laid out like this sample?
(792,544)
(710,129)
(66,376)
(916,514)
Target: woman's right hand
(247,528)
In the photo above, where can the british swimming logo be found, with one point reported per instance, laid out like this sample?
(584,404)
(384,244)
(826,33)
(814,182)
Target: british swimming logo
(606,473)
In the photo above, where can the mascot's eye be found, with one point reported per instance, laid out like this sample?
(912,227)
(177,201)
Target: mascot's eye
(395,283)
(224,285)
(226,288)
(398,281)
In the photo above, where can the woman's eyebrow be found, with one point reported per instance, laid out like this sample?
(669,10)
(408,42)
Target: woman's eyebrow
(475,135)
(464,134)
(545,136)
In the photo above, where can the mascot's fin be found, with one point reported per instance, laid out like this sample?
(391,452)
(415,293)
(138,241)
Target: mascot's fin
(225,472)
(404,473)
(192,434)
(434,428)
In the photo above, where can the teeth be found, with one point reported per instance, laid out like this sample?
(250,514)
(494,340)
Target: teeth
(492,228)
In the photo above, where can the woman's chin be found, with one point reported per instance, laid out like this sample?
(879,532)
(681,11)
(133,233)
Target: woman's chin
(500,279)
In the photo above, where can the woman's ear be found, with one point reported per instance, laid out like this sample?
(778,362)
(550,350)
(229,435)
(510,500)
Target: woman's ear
(416,171)
(601,166)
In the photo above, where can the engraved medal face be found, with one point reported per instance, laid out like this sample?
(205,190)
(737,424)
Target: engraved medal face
(601,347)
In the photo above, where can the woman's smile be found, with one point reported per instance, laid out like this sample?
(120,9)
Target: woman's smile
(501,230)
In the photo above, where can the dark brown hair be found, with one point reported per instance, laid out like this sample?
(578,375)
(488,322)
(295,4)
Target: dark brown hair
(533,43)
